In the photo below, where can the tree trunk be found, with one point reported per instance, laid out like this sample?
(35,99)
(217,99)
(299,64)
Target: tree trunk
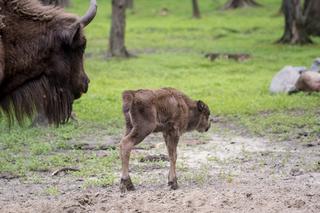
(62,3)
(281,8)
(312,10)
(129,4)
(117,33)
(233,4)
(195,9)
(295,28)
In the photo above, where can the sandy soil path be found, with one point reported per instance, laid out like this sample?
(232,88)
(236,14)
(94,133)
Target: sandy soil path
(216,174)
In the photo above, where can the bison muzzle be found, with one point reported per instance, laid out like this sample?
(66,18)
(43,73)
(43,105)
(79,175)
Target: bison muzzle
(165,110)
(41,59)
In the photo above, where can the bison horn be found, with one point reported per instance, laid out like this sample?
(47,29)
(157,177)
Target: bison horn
(91,13)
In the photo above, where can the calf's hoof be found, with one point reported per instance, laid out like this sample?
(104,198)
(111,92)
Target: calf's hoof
(173,184)
(126,185)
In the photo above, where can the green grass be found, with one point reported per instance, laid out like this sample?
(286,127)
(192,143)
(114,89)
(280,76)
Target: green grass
(170,52)
(52,191)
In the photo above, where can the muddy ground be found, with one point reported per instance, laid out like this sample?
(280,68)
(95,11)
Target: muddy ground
(216,173)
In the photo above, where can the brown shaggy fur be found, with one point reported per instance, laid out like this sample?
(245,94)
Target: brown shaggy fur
(165,110)
(41,60)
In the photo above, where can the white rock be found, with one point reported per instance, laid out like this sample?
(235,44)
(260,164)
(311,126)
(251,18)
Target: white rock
(285,80)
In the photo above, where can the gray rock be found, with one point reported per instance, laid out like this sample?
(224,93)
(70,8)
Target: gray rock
(285,80)
(315,67)
(292,79)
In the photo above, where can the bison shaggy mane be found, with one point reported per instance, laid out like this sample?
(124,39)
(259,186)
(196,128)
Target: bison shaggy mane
(28,100)
(41,60)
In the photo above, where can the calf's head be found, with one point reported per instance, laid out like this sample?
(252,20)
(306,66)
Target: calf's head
(203,116)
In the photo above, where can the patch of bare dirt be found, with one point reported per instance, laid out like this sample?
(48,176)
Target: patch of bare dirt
(234,56)
(215,174)
(151,158)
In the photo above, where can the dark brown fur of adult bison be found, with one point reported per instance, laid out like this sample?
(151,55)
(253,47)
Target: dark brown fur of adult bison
(41,59)
(165,110)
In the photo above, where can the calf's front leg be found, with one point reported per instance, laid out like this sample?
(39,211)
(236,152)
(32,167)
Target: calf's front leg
(172,139)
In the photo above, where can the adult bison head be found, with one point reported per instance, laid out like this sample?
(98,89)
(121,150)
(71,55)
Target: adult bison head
(41,59)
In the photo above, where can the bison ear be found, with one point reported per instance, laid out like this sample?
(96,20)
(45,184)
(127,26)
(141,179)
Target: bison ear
(200,105)
(71,34)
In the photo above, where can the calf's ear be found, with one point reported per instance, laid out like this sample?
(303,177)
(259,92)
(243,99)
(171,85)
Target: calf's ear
(200,105)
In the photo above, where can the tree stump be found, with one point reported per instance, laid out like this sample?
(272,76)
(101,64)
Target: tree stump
(117,33)
(195,9)
(313,17)
(234,4)
(295,31)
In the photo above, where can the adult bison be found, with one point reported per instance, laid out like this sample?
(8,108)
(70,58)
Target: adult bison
(41,59)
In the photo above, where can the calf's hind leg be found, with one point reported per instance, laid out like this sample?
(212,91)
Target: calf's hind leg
(172,140)
(127,143)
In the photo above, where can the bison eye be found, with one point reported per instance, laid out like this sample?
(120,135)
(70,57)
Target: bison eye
(83,48)
(83,45)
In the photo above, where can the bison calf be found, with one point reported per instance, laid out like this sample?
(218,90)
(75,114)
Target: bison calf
(165,110)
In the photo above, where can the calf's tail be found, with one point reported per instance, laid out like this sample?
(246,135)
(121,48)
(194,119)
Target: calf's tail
(127,99)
